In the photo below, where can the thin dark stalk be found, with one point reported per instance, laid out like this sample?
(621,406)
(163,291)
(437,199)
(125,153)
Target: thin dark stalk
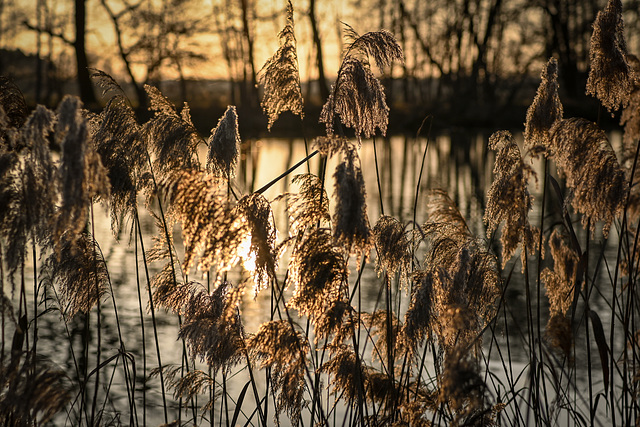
(539,283)
(285,173)
(375,156)
(153,318)
(98,324)
(142,330)
(35,303)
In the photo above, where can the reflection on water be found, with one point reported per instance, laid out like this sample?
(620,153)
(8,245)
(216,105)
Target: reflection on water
(457,162)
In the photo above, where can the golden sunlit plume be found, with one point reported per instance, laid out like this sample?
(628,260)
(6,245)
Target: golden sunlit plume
(309,206)
(210,335)
(584,155)
(212,229)
(80,272)
(560,285)
(120,144)
(318,271)
(393,247)
(29,190)
(261,259)
(610,78)
(283,350)
(357,96)
(82,175)
(466,276)
(509,200)
(224,145)
(543,112)
(350,221)
(170,135)
(280,76)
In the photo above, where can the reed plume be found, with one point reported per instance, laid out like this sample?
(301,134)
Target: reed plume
(584,155)
(212,229)
(418,319)
(318,271)
(334,144)
(261,258)
(393,247)
(309,206)
(630,117)
(29,190)
(509,200)
(80,272)
(467,275)
(337,320)
(610,78)
(545,109)
(462,387)
(14,106)
(30,394)
(350,221)
(82,175)
(348,374)
(279,347)
(170,135)
(210,334)
(280,76)
(357,96)
(560,282)
(224,144)
(119,142)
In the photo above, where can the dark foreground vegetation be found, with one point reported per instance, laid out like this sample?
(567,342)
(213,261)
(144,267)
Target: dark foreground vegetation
(431,351)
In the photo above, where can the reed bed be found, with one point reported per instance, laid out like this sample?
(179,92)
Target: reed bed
(436,347)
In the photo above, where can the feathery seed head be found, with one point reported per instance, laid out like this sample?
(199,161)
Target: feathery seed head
(610,78)
(393,247)
(350,221)
(210,335)
(212,228)
(318,271)
(224,144)
(348,373)
(583,153)
(337,319)
(560,283)
(310,205)
(508,199)
(81,273)
(280,76)
(256,212)
(357,96)
(120,144)
(82,175)
(283,350)
(170,135)
(543,112)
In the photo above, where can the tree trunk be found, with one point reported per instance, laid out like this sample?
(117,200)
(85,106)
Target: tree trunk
(84,79)
(322,81)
